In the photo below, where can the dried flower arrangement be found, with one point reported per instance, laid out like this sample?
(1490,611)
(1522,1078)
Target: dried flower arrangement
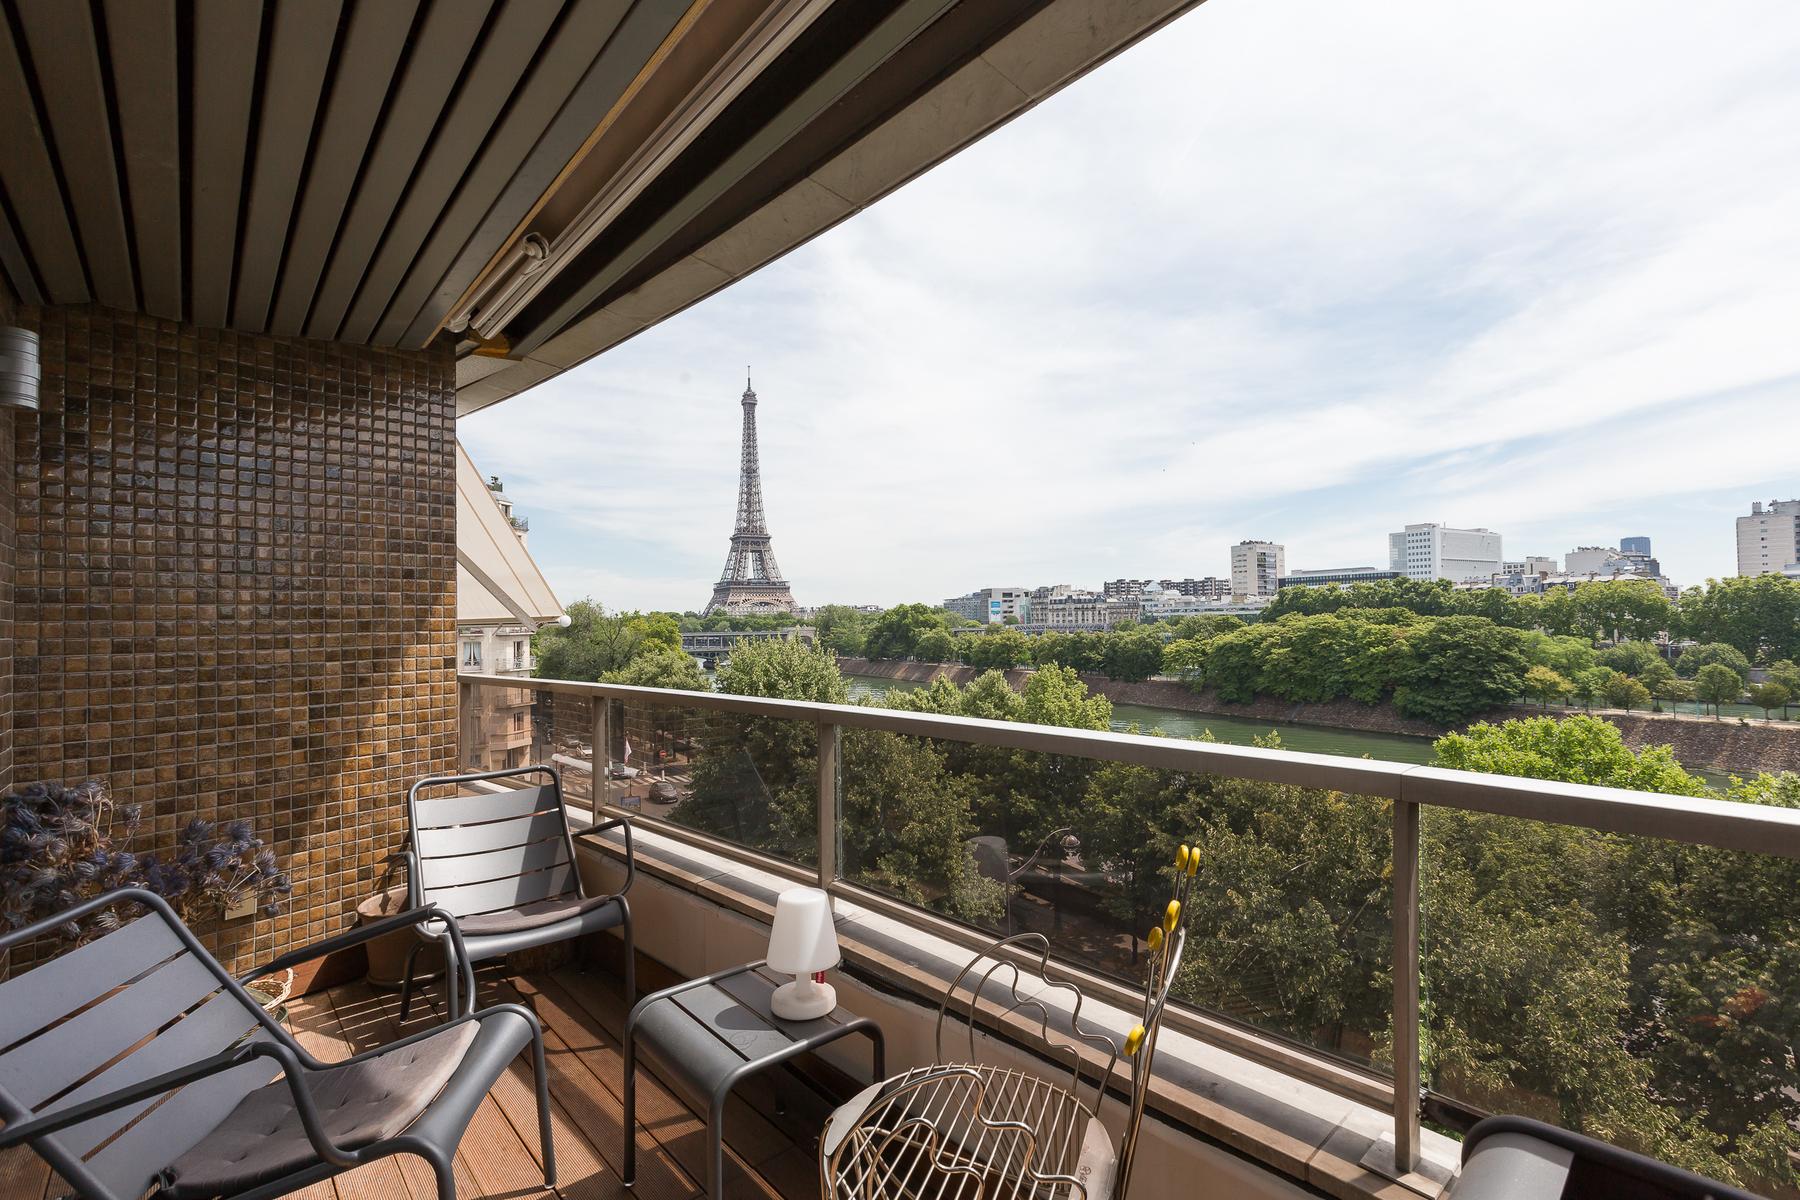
(60,845)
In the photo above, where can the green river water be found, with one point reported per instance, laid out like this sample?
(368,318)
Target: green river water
(1235,731)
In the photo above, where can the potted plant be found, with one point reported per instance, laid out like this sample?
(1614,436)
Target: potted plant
(60,845)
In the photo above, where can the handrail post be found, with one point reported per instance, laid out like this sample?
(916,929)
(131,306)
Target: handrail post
(830,787)
(466,732)
(602,754)
(1406,986)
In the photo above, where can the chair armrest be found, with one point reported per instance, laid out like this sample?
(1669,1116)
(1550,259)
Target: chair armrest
(75,1114)
(623,823)
(412,917)
(447,1023)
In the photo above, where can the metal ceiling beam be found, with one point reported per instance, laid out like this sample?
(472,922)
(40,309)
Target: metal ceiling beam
(28,173)
(65,55)
(142,53)
(373,45)
(503,58)
(227,40)
(576,75)
(437,61)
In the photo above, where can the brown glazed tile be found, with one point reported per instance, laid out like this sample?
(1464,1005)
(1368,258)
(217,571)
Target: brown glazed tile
(227,571)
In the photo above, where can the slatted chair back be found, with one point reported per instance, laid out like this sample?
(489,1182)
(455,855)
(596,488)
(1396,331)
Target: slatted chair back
(114,1013)
(480,853)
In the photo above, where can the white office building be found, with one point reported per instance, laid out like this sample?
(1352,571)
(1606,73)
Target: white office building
(992,605)
(1432,551)
(1768,540)
(1257,568)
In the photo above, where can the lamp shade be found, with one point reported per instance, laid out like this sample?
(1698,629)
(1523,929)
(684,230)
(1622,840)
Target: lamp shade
(804,940)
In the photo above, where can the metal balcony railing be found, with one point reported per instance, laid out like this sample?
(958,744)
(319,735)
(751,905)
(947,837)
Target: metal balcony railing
(1748,828)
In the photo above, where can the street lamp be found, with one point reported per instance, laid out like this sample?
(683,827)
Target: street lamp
(1069,844)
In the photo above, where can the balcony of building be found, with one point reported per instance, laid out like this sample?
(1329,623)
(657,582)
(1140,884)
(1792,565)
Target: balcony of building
(735,799)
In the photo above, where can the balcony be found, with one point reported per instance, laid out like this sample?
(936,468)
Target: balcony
(737,798)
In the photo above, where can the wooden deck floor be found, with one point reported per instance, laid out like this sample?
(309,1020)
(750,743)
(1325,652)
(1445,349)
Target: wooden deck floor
(771,1129)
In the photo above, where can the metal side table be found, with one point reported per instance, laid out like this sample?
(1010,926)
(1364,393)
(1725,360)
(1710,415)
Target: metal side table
(715,1032)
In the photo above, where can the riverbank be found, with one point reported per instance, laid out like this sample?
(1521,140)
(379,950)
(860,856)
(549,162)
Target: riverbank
(1728,746)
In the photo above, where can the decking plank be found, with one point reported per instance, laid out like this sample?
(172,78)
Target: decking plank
(314,1022)
(749,1135)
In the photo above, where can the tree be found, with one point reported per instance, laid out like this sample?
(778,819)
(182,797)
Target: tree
(783,669)
(1132,655)
(1695,657)
(1675,690)
(1564,655)
(1457,667)
(661,667)
(841,628)
(1787,674)
(1718,684)
(1759,615)
(1622,691)
(1574,749)
(1768,697)
(937,645)
(896,632)
(1185,659)
(1631,658)
(997,648)
(1590,685)
(1621,608)
(1232,667)
(1546,686)
(596,641)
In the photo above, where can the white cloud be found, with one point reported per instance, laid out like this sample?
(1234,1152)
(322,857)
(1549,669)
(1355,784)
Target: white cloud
(1291,270)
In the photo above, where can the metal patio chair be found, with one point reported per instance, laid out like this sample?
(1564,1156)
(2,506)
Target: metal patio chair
(966,1130)
(503,864)
(136,1064)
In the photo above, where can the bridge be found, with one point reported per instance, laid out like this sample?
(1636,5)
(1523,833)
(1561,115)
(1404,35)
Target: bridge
(714,646)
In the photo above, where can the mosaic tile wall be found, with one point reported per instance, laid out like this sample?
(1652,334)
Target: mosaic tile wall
(7,538)
(235,590)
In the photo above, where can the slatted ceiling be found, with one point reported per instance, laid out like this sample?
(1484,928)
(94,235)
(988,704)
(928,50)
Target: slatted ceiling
(58,1058)
(494,835)
(16,280)
(373,44)
(142,56)
(494,865)
(566,77)
(300,50)
(639,36)
(503,59)
(29,176)
(227,35)
(503,894)
(30,1000)
(66,56)
(432,69)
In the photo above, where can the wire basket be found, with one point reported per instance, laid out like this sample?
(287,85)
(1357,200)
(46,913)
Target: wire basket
(976,1131)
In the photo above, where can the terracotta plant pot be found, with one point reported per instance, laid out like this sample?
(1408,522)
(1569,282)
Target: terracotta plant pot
(387,953)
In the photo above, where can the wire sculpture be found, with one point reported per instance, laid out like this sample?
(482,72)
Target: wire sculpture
(968,1130)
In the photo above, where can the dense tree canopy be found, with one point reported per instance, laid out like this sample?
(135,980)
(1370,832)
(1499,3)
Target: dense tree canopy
(596,641)
(1760,615)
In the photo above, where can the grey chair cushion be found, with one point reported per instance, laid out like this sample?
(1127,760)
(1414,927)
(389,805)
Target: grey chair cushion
(359,1103)
(531,916)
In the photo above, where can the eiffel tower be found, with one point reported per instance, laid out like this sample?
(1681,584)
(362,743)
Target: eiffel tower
(750,582)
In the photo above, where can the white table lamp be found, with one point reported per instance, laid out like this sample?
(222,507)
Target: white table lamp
(803,944)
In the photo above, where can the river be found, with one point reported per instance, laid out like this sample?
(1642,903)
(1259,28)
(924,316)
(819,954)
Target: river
(1234,731)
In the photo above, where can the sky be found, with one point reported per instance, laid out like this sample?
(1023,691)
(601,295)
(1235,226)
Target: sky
(1291,270)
